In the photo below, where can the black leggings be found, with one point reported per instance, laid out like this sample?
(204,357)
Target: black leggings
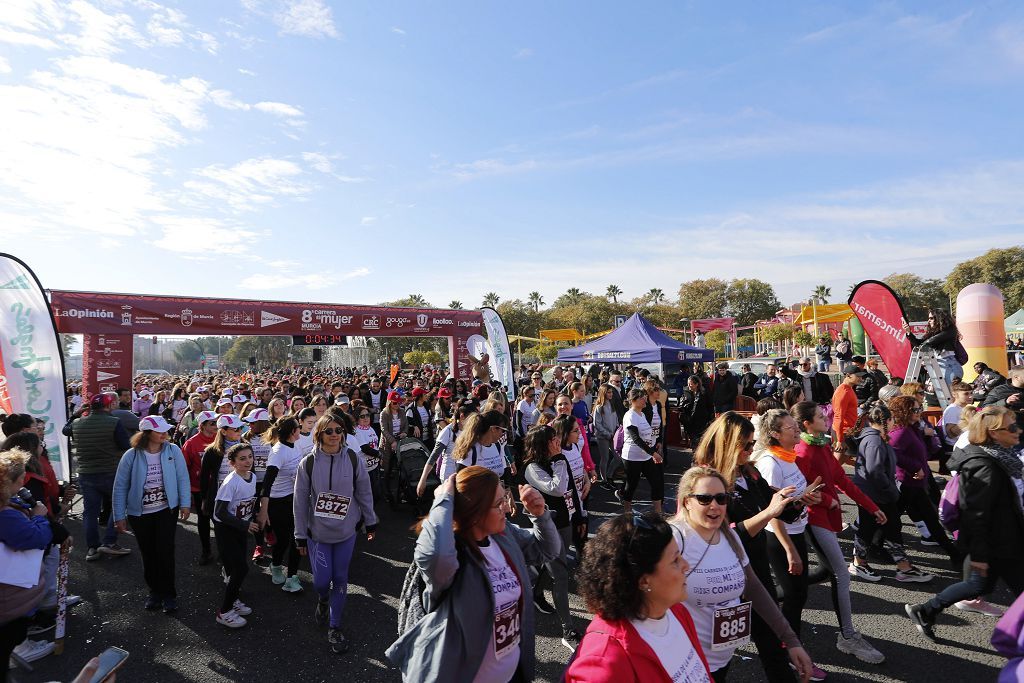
(917,503)
(282,518)
(233,546)
(773,656)
(154,533)
(794,588)
(202,524)
(652,471)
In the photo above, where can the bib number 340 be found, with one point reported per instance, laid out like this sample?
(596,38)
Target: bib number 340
(731,627)
(506,629)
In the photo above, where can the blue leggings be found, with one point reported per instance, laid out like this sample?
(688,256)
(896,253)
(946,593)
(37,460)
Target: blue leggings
(329,562)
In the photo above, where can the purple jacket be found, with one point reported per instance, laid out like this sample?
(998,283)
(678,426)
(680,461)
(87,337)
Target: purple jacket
(911,456)
(1008,640)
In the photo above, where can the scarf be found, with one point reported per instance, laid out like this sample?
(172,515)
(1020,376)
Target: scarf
(811,440)
(1010,463)
(782,454)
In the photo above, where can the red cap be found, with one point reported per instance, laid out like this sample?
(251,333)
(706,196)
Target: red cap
(444,392)
(418,391)
(394,397)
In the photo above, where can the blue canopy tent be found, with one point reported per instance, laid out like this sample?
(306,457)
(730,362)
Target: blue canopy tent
(636,341)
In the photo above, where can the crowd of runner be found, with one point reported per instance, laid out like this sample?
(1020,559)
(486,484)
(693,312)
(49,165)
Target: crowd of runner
(287,465)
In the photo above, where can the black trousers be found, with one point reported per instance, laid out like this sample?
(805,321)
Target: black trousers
(774,659)
(794,588)
(652,471)
(202,522)
(233,546)
(11,636)
(917,503)
(282,517)
(155,534)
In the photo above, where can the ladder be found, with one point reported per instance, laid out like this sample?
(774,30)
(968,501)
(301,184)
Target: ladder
(924,357)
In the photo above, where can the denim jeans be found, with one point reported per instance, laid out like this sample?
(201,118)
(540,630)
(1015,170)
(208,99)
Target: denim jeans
(823,365)
(977,585)
(94,488)
(951,369)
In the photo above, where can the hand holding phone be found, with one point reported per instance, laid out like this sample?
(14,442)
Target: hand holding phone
(109,661)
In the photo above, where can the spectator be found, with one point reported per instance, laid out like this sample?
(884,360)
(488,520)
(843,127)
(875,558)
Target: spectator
(695,409)
(816,385)
(987,380)
(844,352)
(943,338)
(823,353)
(724,389)
(748,382)
(767,385)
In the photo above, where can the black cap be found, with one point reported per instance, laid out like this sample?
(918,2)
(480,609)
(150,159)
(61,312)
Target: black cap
(859,359)
(854,370)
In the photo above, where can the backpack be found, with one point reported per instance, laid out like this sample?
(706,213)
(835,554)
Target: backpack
(949,504)
(960,353)
(410,599)
(307,464)
(618,439)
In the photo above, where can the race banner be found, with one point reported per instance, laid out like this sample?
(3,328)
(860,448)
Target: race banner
(881,313)
(709,324)
(31,360)
(501,356)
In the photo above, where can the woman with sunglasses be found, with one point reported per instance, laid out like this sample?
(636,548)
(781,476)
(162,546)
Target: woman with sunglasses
(479,624)
(720,577)
(825,520)
(332,500)
(726,448)
(633,578)
(549,471)
(942,337)
(276,502)
(445,447)
(477,443)
(991,517)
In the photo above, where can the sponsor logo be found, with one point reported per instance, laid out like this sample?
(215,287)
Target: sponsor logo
(371,322)
(422,319)
(235,318)
(318,318)
(84,313)
(186,317)
(20,282)
(126,318)
(398,322)
(468,323)
(442,322)
(103,376)
(267,319)
(689,355)
(879,322)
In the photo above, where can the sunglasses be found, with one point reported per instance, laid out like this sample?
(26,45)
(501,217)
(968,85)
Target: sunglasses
(330,431)
(1013,429)
(362,415)
(706,498)
(749,445)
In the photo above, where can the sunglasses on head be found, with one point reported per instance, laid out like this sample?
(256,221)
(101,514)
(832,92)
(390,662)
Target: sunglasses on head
(331,431)
(706,498)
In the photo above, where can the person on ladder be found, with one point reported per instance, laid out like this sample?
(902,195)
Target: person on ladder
(943,338)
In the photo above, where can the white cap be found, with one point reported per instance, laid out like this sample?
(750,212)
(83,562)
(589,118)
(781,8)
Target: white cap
(231,421)
(342,399)
(224,402)
(154,423)
(258,415)
(145,392)
(239,398)
(227,392)
(206,416)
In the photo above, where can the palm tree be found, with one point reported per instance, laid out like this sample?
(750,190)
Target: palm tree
(574,295)
(536,300)
(613,292)
(455,304)
(821,294)
(491,299)
(417,300)
(656,296)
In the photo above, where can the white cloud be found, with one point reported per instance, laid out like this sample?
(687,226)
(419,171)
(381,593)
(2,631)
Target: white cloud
(246,72)
(225,100)
(1009,38)
(278,109)
(306,18)
(395,29)
(318,161)
(299,280)
(199,234)
(368,220)
(351,179)
(250,183)
(101,34)
(27,39)
(5,66)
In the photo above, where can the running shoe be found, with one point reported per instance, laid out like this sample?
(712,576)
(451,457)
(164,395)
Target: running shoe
(863,571)
(570,638)
(816,673)
(913,575)
(92,555)
(859,648)
(230,619)
(115,550)
(152,602)
(241,608)
(921,621)
(292,585)
(618,495)
(277,576)
(320,613)
(978,605)
(72,600)
(34,650)
(224,575)
(337,641)
(170,605)
(927,540)
(542,605)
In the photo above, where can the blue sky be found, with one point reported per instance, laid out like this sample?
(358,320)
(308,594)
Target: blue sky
(355,153)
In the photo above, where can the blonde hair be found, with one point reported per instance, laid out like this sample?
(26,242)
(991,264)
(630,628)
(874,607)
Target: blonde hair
(910,388)
(686,485)
(12,468)
(721,444)
(986,420)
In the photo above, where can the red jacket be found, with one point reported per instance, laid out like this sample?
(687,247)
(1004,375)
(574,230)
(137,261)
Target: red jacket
(818,461)
(844,407)
(613,652)
(193,452)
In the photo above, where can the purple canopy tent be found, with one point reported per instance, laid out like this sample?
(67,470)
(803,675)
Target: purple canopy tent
(636,341)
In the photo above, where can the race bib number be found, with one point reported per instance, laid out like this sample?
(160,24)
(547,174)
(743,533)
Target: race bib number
(153,497)
(731,627)
(245,508)
(506,629)
(580,483)
(372,463)
(259,463)
(569,504)
(331,505)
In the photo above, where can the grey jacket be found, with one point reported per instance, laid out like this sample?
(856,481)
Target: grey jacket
(448,644)
(332,473)
(606,421)
(874,470)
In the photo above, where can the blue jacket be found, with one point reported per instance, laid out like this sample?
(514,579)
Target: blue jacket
(131,479)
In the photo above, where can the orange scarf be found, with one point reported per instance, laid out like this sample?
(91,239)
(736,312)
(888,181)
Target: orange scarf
(782,454)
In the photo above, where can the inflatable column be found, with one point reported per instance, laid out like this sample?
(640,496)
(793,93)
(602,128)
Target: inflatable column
(979,317)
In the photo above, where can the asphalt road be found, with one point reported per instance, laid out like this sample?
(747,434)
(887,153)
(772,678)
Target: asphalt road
(281,642)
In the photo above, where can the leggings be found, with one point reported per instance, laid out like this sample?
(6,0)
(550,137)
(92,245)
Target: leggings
(652,471)
(794,588)
(977,585)
(232,544)
(555,575)
(279,510)
(329,562)
(12,634)
(202,524)
(830,554)
(155,533)
(774,659)
(871,533)
(915,501)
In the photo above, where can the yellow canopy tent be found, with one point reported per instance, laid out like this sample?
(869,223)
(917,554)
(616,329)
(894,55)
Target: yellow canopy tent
(824,313)
(569,335)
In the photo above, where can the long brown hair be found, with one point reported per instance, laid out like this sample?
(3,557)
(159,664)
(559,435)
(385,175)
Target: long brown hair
(474,495)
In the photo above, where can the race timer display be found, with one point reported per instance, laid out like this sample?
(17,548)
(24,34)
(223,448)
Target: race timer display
(319,340)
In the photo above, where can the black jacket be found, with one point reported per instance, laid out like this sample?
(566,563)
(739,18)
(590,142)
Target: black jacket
(747,382)
(821,385)
(943,340)
(724,389)
(695,410)
(991,518)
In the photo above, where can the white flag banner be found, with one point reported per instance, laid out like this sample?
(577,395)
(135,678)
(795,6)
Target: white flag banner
(31,359)
(501,356)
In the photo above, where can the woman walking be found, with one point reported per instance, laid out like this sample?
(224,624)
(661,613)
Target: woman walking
(640,456)
(276,502)
(233,511)
(606,423)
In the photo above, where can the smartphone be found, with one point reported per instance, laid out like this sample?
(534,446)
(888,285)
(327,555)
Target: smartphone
(111,660)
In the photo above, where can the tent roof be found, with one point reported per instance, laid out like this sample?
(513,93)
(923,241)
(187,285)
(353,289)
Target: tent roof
(827,313)
(1015,323)
(636,341)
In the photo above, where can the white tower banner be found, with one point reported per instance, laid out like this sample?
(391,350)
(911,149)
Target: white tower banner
(31,360)
(501,358)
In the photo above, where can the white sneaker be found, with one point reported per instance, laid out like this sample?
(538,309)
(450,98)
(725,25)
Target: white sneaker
(33,650)
(859,648)
(980,606)
(230,619)
(241,608)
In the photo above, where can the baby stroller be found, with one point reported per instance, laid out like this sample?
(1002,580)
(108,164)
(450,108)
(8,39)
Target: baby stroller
(412,458)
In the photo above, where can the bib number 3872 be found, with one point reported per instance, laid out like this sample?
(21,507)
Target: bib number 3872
(331,505)
(731,627)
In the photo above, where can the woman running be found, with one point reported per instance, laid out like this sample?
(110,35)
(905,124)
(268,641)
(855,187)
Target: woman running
(276,502)
(332,499)
(151,491)
(640,457)
(232,523)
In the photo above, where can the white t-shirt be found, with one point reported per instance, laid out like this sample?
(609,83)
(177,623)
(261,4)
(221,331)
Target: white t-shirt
(304,443)
(950,416)
(526,417)
(655,422)
(154,496)
(424,420)
(501,658)
(672,645)
(396,425)
(486,456)
(260,455)
(286,459)
(780,474)
(239,494)
(448,465)
(178,409)
(630,450)
(366,436)
(716,580)
(962,441)
(575,458)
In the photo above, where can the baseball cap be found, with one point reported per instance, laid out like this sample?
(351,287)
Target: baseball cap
(444,392)
(145,392)
(224,402)
(394,396)
(258,415)
(859,359)
(240,398)
(154,423)
(206,416)
(854,370)
(228,392)
(230,421)
(102,400)
(203,389)
(418,391)
(342,399)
